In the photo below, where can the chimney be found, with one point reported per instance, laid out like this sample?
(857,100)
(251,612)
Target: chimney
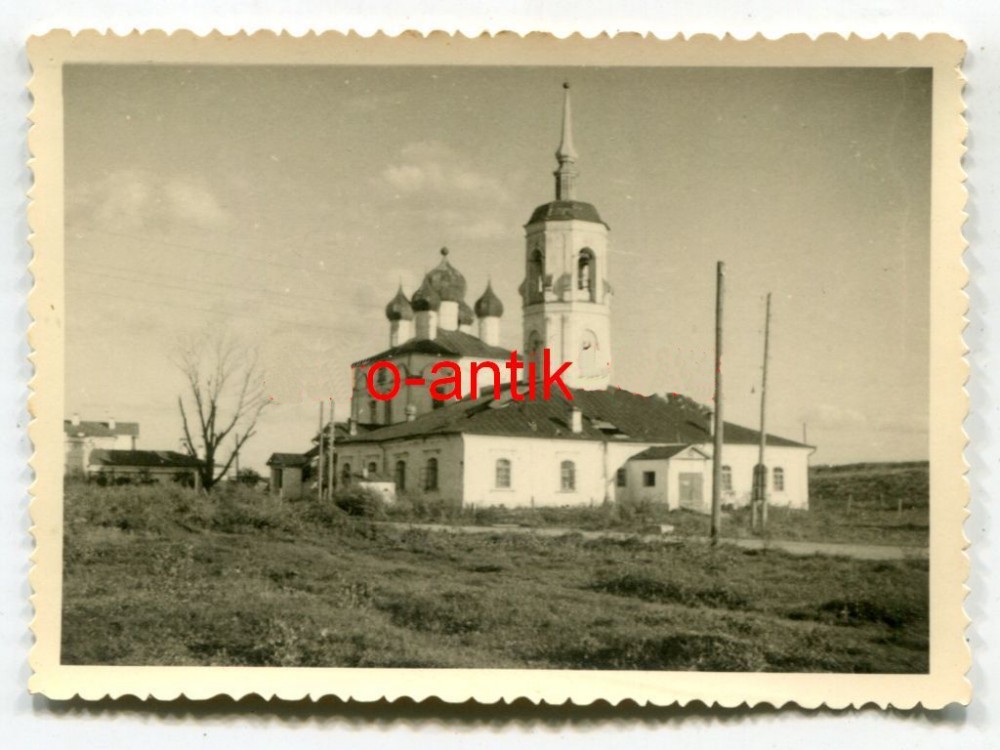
(575,420)
(76,419)
(352,426)
(411,412)
(112,424)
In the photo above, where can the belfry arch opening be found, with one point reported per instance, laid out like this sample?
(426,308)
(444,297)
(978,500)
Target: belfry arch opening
(586,273)
(536,274)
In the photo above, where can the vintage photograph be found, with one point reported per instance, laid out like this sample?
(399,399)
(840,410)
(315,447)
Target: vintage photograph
(497,366)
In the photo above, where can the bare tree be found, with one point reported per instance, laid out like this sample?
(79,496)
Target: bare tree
(225,396)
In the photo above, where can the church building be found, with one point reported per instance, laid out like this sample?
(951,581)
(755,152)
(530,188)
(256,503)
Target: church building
(604,444)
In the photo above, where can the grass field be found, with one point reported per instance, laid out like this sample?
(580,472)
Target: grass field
(857,503)
(166,576)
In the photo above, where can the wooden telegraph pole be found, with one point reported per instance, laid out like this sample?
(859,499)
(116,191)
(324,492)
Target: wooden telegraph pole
(720,276)
(331,477)
(320,458)
(759,499)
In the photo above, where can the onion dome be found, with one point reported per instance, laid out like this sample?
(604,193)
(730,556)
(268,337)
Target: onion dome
(425,298)
(465,316)
(446,280)
(399,307)
(489,305)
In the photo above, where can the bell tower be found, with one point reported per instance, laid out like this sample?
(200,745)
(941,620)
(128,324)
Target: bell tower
(566,295)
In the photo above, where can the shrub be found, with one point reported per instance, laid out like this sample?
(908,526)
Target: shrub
(357,501)
(237,509)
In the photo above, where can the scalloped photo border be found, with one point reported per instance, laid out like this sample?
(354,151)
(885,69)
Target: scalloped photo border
(950,657)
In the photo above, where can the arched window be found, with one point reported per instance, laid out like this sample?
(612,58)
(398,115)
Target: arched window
(727,478)
(586,269)
(503,474)
(567,476)
(400,476)
(778,482)
(373,411)
(431,474)
(345,476)
(372,468)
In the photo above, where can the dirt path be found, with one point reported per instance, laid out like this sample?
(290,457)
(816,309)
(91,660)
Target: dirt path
(793,547)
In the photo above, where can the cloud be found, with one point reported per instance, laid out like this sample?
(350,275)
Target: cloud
(129,200)
(431,167)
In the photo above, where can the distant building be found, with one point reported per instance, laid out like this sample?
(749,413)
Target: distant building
(85,436)
(143,467)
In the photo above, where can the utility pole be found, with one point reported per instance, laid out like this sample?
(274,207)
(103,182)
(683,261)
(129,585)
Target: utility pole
(759,499)
(331,476)
(720,275)
(319,458)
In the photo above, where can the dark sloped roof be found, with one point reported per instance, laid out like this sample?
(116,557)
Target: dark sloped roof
(288,459)
(566,211)
(660,452)
(143,459)
(100,429)
(446,343)
(611,414)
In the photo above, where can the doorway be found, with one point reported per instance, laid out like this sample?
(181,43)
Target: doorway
(691,491)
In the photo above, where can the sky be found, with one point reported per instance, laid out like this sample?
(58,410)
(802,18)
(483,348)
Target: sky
(283,205)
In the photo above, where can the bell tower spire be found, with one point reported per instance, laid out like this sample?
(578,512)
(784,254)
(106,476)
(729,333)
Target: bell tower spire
(566,155)
(566,295)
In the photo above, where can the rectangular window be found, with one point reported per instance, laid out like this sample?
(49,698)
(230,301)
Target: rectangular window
(779,479)
(567,476)
(502,474)
(649,479)
(622,478)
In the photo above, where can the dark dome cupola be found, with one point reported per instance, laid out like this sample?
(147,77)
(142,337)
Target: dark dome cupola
(399,307)
(489,305)
(446,280)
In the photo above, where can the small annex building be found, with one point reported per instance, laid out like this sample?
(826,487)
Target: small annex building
(290,473)
(143,467)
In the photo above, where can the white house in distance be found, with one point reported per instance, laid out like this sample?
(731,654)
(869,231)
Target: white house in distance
(85,436)
(605,444)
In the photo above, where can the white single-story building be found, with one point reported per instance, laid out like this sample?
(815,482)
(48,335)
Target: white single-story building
(601,446)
